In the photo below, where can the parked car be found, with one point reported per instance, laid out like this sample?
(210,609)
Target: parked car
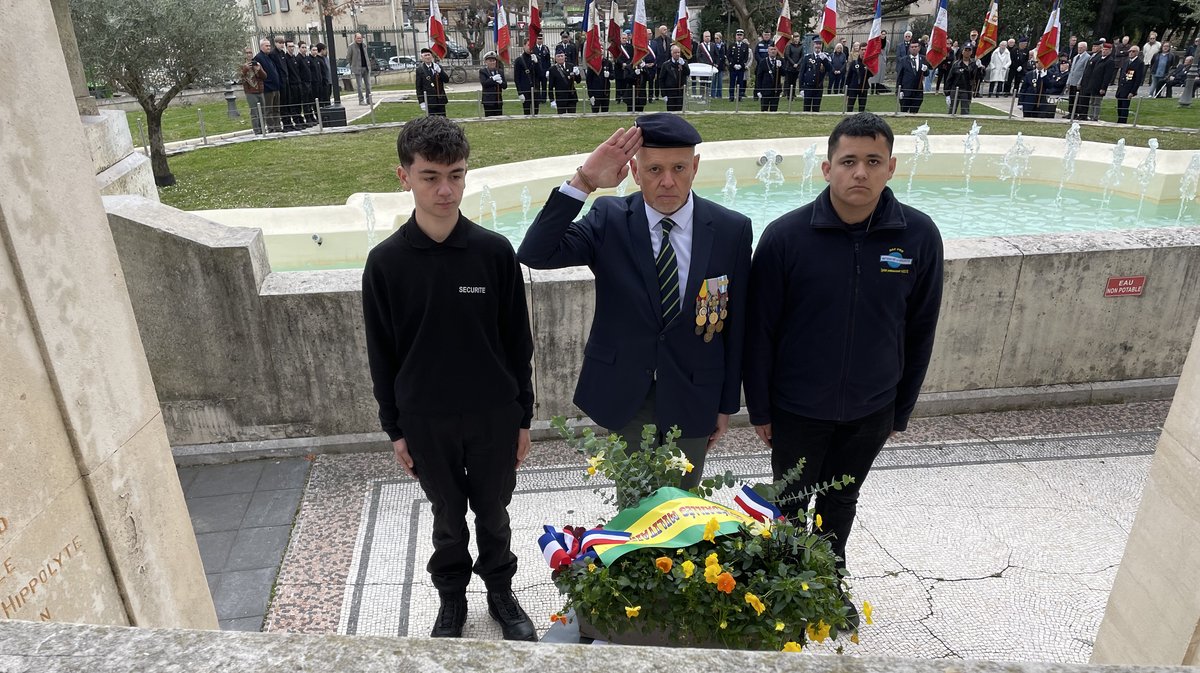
(343,67)
(402,63)
(456,50)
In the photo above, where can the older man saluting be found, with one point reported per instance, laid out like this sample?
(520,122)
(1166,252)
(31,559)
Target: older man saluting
(671,271)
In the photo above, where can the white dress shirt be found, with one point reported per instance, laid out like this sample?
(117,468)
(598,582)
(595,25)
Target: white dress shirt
(681,235)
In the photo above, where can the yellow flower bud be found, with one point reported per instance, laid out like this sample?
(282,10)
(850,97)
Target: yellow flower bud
(819,522)
(779,626)
(867,611)
(591,471)
(804,586)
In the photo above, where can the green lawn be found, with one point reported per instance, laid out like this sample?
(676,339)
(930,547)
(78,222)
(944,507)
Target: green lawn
(1153,112)
(465,106)
(182,122)
(264,174)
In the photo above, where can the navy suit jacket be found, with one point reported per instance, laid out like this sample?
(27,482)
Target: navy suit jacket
(629,347)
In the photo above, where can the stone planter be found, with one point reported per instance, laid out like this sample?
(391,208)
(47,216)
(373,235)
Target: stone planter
(636,637)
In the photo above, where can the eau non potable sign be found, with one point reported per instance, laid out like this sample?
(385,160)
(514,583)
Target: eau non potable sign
(1125,286)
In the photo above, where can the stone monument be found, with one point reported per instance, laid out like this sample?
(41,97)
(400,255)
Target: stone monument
(1153,614)
(93,525)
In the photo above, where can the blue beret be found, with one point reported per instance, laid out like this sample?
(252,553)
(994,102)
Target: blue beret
(663,129)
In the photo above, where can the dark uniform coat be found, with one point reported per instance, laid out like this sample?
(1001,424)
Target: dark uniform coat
(431,88)
(493,91)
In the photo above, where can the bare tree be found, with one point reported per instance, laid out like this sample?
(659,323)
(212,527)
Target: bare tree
(152,50)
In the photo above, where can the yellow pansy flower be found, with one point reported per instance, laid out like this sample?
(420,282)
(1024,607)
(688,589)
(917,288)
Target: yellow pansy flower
(723,624)
(791,646)
(867,611)
(779,626)
(633,612)
(591,471)
(710,530)
(711,573)
(688,568)
(817,632)
(804,586)
(591,567)
(760,528)
(664,563)
(711,560)
(819,522)
(754,602)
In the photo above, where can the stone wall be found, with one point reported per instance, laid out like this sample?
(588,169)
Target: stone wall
(239,353)
(66,648)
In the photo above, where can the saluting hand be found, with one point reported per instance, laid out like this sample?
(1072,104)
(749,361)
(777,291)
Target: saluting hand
(608,164)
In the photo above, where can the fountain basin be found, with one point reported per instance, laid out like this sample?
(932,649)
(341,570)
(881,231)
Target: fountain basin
(288,231)
(244,353)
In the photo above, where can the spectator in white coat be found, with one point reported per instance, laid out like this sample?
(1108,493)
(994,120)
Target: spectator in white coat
(997,72)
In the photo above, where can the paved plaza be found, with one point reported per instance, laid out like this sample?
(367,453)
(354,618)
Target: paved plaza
(990,536)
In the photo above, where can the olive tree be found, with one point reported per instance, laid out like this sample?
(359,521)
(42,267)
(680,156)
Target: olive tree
(153,49)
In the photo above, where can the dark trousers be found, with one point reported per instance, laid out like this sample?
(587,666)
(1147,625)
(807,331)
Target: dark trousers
(830,449)
(271,105)
(528,106)
(695,448)
(601,104)
(493,109)
(812,100)
(468,460)
(910,101)
(960,101)
(737,81)
(307,97)
(1122,110)
(789,88)
(295,105)
(769,103)
(853,95)
(436,105)
(674,100)
(836,82)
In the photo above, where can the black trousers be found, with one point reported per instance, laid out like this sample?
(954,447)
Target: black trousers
(528,105)
(812,100)
(695,448)
(910,101)
(769,103)
(1122,110)
(468,460)
(601,104)
(737,80)
(830,449)
(674,99)
(855,95)
(295,106)
(493,109)
(789,87)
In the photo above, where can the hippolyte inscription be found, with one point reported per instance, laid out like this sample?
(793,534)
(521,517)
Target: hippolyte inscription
(19,588)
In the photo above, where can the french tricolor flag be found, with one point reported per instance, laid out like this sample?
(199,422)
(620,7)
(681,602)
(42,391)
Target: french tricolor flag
(557,547)
(875,40)
(756,506)
(597,536)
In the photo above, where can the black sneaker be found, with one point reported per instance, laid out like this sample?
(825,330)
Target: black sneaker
(516,625)
(451,617)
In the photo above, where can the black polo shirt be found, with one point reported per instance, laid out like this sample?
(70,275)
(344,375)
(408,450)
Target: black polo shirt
(446,324)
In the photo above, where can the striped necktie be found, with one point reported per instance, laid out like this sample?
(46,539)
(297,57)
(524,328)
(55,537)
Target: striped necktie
(668,274)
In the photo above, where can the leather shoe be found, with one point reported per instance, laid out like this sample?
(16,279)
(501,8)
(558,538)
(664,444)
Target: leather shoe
(516,625)
(451,617)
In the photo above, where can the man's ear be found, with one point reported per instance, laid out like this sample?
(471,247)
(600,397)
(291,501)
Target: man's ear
(403,176)
(633,170)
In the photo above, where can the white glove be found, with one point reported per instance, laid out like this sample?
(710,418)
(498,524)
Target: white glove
(758,95)
(575,70)
(924,68)
(592,100)
(521,97)
(554,104)
(437,68)
(737,66)
(778,63)
(637,71)
(607,74)
(547,74)
(533,58)
(424,107)
(497,79)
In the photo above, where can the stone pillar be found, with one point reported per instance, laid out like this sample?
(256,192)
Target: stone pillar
(93,525)
(1153,614)
(84,102)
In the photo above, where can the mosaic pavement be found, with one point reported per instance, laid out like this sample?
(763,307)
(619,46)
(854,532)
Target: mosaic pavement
(975,537)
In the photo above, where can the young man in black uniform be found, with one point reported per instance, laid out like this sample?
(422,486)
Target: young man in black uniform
(739,65)
(813,70)
(768,81)
(844,300)
(450,352)
(599,85)
(529,74)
